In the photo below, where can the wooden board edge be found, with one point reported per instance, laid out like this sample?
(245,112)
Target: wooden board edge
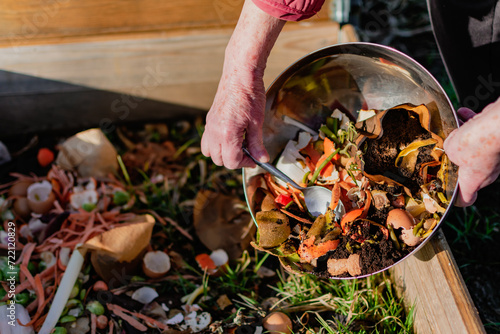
(443,306)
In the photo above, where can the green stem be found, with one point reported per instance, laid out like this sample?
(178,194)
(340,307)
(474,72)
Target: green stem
(330,134)
(323,164)
(124,170)
(304,178)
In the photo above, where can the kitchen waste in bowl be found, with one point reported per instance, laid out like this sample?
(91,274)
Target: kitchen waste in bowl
(397,115)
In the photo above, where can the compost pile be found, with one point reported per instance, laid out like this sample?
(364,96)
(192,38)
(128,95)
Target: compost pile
(136,231)
(389,171)
(141,223)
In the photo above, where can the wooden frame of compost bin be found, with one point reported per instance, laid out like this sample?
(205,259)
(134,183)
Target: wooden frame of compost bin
(69,64)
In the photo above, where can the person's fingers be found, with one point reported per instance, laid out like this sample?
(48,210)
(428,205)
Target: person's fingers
(468,187)
(232,155)
(465,114)
(205,146)
(255,143)
(465,199)
(215,154)
(450,145)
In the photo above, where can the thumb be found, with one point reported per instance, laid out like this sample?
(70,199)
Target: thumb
(468,188)
(465,113)
(255,143)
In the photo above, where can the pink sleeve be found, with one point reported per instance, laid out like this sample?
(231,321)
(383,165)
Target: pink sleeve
(290,10)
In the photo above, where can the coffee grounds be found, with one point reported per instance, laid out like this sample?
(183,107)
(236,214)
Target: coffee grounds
(401,127)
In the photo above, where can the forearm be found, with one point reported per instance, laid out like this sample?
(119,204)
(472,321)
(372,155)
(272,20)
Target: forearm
(252,40)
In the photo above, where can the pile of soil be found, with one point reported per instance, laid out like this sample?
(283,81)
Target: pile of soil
(401,127)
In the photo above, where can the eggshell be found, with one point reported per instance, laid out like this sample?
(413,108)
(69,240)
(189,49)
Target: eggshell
(156,264)
(409,238)
(20,188)
(40,197)
(277,323)
(42,207)
(398,218)
(21,207)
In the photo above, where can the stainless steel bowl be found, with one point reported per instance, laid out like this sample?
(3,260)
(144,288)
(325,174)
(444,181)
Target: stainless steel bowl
(354,75)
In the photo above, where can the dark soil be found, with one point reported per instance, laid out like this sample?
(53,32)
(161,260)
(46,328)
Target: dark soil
(376,251)
(401,127)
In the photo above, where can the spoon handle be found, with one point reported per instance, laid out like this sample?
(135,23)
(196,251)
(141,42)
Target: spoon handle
(273,170)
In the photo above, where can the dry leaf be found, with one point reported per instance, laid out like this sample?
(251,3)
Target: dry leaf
(116,253)
(223,302)
(221,222)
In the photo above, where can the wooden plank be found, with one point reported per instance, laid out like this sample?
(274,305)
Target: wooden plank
(431,282)
(180,70)
(27,22)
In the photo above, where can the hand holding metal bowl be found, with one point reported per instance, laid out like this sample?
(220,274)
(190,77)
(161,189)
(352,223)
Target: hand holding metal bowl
(349,78)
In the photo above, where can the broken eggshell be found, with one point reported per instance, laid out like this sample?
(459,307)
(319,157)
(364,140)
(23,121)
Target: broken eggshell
(402,219)
(277,323)
(20,188)
(145,295)
(21,207)
(40,197)
(155,264)
(198,322)
(83,199)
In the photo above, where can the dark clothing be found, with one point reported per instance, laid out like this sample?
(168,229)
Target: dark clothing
(468,35)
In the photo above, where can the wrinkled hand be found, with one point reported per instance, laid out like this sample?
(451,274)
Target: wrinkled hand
(237,113)
(475,148)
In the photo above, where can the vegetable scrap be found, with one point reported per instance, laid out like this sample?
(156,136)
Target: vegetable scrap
(391,174)
(122,226)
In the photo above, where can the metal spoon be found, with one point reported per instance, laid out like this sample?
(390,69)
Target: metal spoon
(317,198)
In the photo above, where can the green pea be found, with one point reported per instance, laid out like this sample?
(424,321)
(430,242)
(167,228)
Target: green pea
(72,303)
(67,318)
(120,198)
(88,206)
(75,291)
(59,330)
(95,307)
(83,292)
